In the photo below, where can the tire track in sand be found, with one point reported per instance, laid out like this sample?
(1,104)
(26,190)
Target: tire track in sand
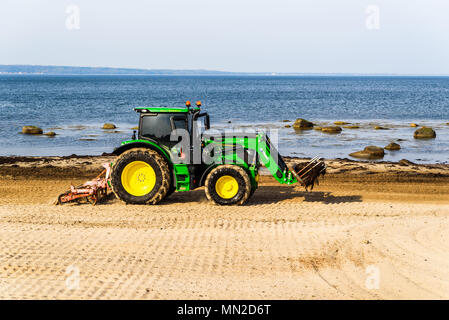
(289,250)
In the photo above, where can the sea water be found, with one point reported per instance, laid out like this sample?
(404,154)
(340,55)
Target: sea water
(75,107)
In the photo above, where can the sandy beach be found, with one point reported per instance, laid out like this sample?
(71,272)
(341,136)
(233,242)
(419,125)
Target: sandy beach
(364,219)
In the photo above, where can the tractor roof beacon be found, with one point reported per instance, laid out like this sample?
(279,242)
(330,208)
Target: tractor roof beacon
(153,165)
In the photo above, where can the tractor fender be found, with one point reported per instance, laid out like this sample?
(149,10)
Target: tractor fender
(142,144)
(146,144)
(206,172)
(212,166)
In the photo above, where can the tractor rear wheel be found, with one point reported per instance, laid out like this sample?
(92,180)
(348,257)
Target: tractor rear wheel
(140,176)
(171,190)
(228,185)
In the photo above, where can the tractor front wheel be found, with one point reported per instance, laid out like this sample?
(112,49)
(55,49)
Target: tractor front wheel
(228,185)
(140,176)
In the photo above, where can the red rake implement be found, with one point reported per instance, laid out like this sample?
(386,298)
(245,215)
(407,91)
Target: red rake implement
(91,191)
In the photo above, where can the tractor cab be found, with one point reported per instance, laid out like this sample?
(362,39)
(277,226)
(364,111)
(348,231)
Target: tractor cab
(158,124)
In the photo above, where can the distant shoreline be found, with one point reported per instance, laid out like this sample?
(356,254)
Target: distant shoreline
(96,71)
(226,75)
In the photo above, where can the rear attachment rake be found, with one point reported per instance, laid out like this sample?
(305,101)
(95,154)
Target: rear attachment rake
(91,191)
(307,173)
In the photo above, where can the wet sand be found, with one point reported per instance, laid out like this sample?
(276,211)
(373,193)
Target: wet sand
(285,243)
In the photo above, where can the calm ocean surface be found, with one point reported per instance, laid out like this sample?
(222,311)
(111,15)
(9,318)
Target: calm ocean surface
(75,107)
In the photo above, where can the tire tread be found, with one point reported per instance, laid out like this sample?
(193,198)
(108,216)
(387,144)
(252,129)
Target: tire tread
(163,166)
(243,174)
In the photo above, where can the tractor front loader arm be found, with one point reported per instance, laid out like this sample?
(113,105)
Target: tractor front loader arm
(272,160)
(305,173)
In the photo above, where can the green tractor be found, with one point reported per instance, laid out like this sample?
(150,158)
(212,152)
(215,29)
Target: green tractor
(175,150)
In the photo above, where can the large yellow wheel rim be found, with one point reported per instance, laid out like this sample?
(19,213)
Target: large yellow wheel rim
(226,187)
(138,178)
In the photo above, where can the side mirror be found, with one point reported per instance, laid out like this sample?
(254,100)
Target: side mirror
(134,135)
(207,122)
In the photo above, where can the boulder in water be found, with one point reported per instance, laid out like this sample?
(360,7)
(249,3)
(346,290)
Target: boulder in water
(50,133)
(302,124)
(405,162)
(340,123)
(288,126)
(424,133)
(351,127)
(414,125)
(109,126)
(370,152)
(317,128)
(332,129)
(393,146)
(31,130)
(380,128)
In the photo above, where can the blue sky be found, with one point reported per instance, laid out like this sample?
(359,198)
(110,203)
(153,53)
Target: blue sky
(316,36)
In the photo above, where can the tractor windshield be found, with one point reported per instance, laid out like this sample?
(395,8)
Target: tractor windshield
(159,126)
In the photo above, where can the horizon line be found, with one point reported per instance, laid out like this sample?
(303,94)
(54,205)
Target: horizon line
(203,71)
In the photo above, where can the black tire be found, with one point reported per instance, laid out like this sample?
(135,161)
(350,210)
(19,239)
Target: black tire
(171,190)
(239,174)
(253,189)
(161,170)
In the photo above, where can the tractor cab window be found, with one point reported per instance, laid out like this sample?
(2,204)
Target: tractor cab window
(158,126)
(202,123)
(180,122)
